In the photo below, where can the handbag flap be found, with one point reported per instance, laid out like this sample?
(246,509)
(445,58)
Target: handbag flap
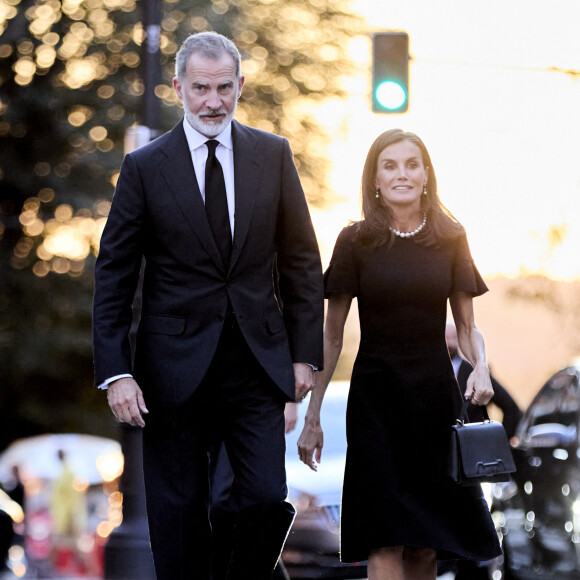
(485,450)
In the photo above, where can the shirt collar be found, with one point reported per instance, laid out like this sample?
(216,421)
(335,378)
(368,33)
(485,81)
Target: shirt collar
(195,139)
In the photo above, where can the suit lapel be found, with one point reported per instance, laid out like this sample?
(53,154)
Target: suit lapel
(179,174)
(247,177)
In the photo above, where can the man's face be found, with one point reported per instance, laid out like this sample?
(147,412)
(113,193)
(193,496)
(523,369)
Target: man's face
(209,92)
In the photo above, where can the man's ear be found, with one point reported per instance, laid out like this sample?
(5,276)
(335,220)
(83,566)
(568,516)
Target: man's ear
(177,87)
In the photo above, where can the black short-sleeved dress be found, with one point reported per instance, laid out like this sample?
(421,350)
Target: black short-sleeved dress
(403,400)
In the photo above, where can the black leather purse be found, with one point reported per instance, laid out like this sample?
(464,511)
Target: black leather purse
(479,451)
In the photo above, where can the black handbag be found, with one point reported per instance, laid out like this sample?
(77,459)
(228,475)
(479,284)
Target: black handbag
(479,451)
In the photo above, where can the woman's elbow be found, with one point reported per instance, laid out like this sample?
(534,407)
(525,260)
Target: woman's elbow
(333,341)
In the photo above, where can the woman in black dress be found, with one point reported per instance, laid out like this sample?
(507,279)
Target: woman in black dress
(403,262)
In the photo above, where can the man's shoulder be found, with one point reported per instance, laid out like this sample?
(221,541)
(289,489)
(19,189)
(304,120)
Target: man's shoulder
(246,131)
(162,143)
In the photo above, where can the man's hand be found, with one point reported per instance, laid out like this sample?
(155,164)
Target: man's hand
(126,401)
(303,380)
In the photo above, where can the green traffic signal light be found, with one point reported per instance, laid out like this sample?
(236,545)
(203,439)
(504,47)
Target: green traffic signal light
(390,95)
(390,92)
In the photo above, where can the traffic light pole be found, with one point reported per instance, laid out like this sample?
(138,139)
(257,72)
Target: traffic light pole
(150,65)
(128,551)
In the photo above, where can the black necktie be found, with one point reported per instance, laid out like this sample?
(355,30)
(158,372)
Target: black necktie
(216,203)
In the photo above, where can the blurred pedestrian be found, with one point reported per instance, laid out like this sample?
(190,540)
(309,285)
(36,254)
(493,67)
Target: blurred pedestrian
(69,516)
(217,211)
(468,569)
(403,262)
(15,487)
(16,492)
(6,537)
(67,504)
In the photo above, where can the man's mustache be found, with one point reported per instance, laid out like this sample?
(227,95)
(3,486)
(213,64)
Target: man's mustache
(216,113)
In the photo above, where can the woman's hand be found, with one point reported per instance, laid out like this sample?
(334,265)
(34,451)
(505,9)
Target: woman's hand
(310,443)
(479,386)
(471,344)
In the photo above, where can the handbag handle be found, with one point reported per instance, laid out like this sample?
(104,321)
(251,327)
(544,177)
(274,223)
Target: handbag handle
(463,414)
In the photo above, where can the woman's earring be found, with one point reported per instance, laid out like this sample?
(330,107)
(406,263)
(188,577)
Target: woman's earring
(425,189)
(377,193)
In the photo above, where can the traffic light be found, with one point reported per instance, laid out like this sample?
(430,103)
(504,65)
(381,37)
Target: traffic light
(390,72)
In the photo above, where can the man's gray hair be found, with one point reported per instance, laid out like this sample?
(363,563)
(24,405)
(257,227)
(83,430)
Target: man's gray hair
(209,44)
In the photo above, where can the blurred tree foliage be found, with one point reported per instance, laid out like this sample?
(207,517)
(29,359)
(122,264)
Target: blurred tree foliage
(70,86)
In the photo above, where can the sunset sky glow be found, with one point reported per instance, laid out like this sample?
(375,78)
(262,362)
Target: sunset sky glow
(495,95)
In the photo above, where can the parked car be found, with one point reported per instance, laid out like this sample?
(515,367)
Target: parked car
(537,514)
(311,550)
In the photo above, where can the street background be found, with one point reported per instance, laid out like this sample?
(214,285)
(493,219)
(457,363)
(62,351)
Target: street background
(494,93)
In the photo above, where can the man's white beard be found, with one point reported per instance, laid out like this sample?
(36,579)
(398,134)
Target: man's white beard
(205,127)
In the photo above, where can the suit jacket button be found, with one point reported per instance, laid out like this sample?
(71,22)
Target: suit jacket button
(219,318)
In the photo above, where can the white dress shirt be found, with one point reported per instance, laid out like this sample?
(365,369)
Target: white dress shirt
(225,154)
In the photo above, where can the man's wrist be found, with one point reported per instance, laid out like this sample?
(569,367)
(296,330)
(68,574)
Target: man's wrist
(105,384)
(313,367)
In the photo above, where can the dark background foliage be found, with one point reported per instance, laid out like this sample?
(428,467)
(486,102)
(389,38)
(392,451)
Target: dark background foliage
(70,86)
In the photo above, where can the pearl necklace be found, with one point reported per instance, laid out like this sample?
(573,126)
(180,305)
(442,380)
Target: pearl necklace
(410,234)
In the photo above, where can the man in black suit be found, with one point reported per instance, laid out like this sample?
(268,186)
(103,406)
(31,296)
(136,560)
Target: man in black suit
(501,398)
(217,212)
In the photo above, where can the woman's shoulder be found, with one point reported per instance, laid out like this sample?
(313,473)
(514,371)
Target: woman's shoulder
(445,230)
(347,241)
(456,246)
(454,238)
(350,231)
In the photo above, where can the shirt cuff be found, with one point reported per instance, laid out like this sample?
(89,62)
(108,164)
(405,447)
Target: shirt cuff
(105,384)
(313,367)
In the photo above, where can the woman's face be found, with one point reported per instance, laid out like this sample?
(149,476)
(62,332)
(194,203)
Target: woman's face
(401,175)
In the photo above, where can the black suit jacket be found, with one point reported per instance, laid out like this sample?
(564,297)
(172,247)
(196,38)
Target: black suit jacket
(501,398)
(158,214)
